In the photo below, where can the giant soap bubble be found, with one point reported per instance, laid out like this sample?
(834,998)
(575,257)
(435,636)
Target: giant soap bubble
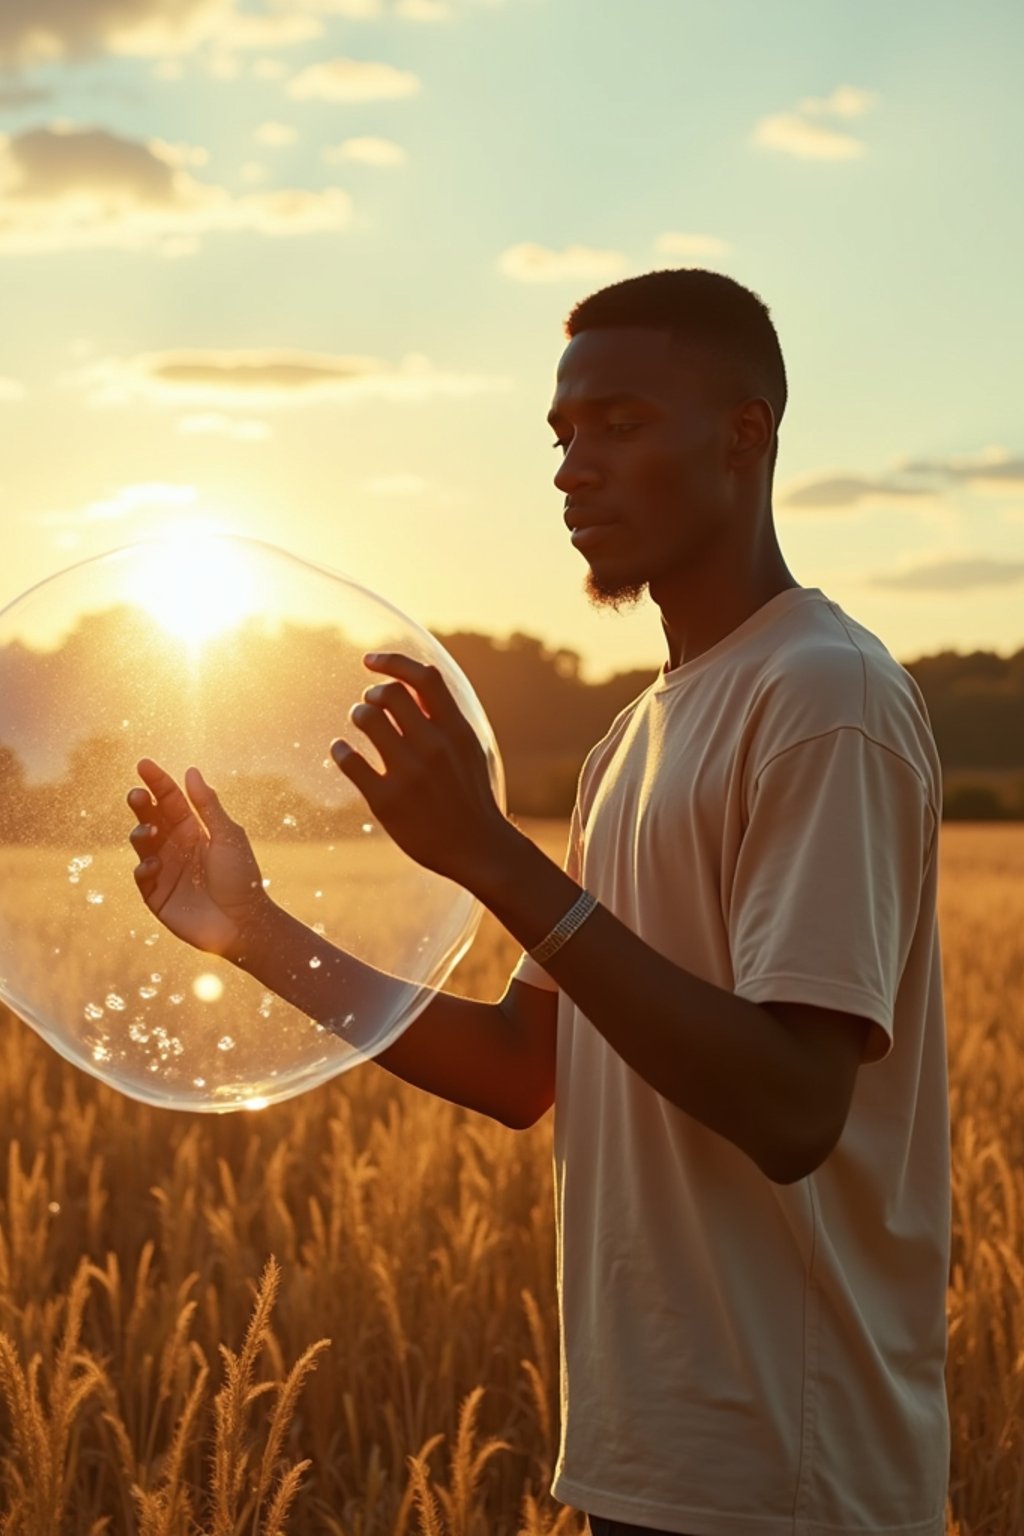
(244,660)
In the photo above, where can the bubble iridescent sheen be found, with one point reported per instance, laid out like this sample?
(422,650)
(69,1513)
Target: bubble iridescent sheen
(245,660)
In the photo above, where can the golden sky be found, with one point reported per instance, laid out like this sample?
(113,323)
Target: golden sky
(299,271)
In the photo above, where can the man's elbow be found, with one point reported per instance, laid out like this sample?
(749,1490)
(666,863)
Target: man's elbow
(792,1160)
(526,1115)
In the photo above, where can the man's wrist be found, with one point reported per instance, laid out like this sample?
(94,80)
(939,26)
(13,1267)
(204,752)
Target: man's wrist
(255,934)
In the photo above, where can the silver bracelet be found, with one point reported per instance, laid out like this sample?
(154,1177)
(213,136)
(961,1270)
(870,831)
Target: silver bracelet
(577,914)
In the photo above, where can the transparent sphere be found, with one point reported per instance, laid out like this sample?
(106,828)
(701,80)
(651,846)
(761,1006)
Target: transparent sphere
(241,659)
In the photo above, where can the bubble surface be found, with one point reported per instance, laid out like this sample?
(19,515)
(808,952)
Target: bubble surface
(245,661)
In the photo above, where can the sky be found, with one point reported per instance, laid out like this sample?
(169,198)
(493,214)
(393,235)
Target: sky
(299,272)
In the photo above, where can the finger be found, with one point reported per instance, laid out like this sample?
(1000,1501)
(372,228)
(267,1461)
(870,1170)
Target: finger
(355,768)
(207,802)
(427,681)
(404,709)
(146,838)
(375,723)
(141,802)
(146,876)
(170,801)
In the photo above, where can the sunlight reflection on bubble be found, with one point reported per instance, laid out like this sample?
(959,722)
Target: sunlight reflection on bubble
(208,988)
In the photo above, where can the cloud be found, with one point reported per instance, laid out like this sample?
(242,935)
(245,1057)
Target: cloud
(38,30)
(799,133)
(953,575)
(16,95)
(65,188)
(352,80)
(269,378)
(577,263)
(366,151)
(672,243)
(832,493)
(127,501)
(276,134)
(242,29)
(372,10)
(11,389)
(992,469)
(213,425)
(35,30)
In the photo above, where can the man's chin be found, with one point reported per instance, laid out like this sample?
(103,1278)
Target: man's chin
(613,592)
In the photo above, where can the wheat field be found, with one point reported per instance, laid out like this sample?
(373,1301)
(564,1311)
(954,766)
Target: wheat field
(337,1315)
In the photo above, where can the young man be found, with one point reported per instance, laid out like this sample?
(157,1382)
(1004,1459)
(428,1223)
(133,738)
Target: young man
(732,993)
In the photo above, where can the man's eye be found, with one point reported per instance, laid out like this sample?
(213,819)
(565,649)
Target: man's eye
(623,426)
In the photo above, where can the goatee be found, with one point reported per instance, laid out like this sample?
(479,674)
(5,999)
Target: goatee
(613,593)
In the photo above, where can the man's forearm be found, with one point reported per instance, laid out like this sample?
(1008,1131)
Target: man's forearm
(458,1049)
(727,1061)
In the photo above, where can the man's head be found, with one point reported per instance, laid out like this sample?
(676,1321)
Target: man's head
(667,407)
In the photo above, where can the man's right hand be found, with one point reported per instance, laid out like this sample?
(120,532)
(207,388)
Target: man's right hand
(198,873)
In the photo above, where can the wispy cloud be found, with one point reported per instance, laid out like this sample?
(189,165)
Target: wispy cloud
(576,263)
(994,468)
(846,493)
(269,378)
(352,80)
(373,10)
(211,424)
(127,501)
(365,151)
(953,575)
(801,132)
(18,95)
(34,30)
(65,188)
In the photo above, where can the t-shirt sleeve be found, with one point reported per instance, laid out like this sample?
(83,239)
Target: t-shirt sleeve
(828,882)
(528,970)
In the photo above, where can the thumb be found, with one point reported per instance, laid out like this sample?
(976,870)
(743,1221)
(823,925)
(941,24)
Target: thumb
(207,802)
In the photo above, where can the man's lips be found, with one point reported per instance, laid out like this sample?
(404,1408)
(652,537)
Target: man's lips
(586,534)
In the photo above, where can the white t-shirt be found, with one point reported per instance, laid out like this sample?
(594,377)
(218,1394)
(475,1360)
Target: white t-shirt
(740,1356)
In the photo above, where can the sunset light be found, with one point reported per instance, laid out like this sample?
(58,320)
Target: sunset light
(201,588)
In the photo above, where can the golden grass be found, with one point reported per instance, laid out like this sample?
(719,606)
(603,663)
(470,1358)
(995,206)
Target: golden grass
(169,1282)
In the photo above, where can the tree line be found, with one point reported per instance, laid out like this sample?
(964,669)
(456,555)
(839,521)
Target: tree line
(60,725)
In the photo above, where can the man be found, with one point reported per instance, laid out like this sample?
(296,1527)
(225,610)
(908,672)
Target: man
(732,992)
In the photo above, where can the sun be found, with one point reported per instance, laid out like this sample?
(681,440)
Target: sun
(199,586)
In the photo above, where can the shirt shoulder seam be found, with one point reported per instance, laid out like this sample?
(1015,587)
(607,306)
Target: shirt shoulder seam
(834,731)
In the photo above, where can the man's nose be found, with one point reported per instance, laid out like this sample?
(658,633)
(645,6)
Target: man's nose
(575,470)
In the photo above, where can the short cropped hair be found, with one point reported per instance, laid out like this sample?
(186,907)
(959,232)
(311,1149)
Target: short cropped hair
(706,311)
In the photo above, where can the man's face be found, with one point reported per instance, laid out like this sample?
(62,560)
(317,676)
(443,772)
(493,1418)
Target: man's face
(643,433)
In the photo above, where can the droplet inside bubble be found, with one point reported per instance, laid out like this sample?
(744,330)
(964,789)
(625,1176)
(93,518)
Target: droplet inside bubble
(314,964)
(115,1001)
(148,992)
(93,1011)
(94,898)
(225,1043)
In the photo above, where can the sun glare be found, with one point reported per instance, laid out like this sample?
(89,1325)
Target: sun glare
(200,588)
